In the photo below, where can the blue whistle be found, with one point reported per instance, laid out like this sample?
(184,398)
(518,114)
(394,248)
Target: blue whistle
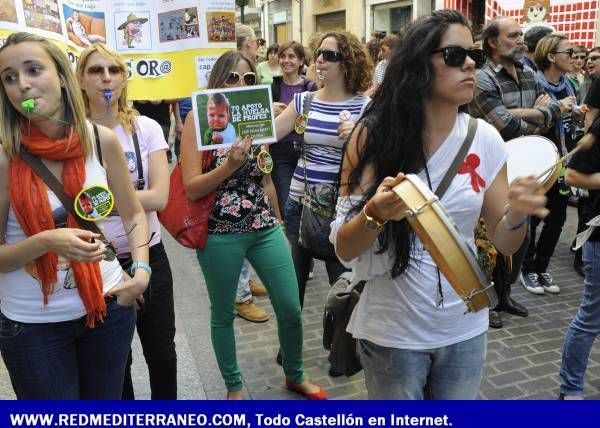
(107,95)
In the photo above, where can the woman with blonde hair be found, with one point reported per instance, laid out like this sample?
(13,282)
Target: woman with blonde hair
(67,314)
(102,75)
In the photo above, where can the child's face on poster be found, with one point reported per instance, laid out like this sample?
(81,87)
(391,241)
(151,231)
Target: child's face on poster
(217,116)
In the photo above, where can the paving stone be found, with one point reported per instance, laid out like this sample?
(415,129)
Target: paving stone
(522,362)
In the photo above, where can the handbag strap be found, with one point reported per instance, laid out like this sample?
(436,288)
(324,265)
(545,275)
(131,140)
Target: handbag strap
(305,110)
(140,182)
(458,160)
(52,182)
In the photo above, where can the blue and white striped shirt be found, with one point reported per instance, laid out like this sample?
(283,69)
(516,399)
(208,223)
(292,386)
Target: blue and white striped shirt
(323,147)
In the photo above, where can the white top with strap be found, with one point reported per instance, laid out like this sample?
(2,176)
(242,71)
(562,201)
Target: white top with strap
(21,297)
(402,312)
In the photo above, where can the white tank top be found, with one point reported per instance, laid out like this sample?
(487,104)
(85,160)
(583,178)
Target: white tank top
(21,297)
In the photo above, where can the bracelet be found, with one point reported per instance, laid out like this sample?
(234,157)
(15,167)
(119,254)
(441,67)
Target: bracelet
(513,227)
(141,265)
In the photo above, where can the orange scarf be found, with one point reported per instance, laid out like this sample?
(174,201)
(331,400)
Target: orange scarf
(30,203)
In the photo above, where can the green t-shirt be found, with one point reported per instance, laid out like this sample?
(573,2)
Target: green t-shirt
(266,76)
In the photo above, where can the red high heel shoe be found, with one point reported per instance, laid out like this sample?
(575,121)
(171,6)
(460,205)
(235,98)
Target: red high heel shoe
(319,395)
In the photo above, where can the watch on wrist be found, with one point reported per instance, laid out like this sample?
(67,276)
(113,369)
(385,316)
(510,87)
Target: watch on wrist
(370,222)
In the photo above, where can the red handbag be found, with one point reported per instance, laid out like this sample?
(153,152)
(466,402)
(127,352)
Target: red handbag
(186,220)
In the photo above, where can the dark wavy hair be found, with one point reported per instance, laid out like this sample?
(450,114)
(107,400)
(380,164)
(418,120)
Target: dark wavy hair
(395,121)
(356,62)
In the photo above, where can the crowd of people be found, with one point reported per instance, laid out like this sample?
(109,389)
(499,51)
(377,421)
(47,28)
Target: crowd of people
(353,121)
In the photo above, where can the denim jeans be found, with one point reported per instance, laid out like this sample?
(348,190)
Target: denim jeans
(301,256)
(243,293)
(156,329)
(585,326)
(67,360)
(452,372)
(285,159)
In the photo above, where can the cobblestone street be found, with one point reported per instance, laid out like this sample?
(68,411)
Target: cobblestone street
(523,358)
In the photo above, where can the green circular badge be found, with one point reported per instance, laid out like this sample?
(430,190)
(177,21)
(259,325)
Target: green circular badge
(94,203)
(300,123)
(264,161)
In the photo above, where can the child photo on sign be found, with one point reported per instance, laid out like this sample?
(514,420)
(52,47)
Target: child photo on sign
(222,115)
(219,131)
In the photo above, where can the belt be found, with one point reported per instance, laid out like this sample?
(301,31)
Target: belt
(111,298)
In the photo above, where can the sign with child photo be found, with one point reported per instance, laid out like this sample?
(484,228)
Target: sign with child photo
(223,115)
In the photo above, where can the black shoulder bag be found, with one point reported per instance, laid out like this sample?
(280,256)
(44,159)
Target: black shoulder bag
(318,207)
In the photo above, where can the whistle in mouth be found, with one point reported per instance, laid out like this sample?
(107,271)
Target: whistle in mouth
(107,94)
(28,104)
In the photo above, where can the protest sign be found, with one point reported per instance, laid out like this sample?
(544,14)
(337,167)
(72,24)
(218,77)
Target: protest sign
(162,42)
(222,115)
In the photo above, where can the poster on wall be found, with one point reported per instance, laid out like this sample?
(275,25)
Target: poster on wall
(223,115)
(160,41)
(577,19)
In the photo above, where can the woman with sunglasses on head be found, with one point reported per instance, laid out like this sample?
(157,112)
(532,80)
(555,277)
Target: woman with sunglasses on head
(411,325)
(344,69)
(286,153)
(102,77)
(554,59)
(245,305)
(252,233)
(63,335)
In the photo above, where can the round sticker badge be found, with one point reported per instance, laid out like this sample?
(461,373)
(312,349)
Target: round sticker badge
(345,115)
(264,161)
(94,203)
(300,123)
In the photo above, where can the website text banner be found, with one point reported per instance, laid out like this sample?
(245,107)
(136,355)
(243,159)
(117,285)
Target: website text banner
(168,45)
(258,414)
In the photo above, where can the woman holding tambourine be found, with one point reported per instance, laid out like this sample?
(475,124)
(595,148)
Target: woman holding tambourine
(411,325)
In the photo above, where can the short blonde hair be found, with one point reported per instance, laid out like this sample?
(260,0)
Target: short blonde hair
(547,45)
(126,115)
(12,120)
(243,33)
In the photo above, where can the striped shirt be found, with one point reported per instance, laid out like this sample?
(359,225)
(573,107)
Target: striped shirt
(323,147)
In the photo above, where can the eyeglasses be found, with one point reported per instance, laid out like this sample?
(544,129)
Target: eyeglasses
(455,56)
(568,52)
(234,78)
(97,70)
(328,55)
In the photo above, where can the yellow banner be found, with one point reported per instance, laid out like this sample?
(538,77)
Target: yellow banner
(168,46)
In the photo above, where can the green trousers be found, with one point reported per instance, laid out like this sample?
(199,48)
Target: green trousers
(268,253)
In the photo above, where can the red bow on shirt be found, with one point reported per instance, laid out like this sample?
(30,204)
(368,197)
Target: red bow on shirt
(468,167)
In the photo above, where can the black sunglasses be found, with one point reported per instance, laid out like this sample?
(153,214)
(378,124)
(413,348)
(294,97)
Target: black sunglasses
(234,78)
(455,56)
(569,52)
(329,56)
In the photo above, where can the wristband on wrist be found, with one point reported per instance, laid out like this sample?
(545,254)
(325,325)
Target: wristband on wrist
(141,265)
(513,227)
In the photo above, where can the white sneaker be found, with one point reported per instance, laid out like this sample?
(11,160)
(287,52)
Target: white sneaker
(546,281)
(531,283)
